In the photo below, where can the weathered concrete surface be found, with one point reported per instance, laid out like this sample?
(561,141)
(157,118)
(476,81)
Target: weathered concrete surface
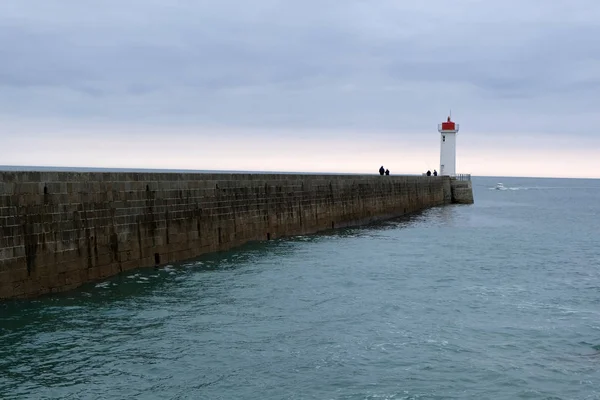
(462,191)
(59,230)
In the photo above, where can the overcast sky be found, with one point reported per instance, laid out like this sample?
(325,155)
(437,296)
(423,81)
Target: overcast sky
(344,85)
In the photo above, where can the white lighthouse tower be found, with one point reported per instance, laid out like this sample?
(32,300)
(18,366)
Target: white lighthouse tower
(448,131)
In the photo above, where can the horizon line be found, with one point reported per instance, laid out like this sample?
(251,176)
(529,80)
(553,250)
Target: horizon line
(41,168)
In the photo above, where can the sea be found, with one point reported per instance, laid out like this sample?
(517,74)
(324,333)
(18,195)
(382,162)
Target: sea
(495,300)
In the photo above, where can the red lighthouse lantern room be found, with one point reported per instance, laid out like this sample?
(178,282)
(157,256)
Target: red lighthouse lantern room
(448,125)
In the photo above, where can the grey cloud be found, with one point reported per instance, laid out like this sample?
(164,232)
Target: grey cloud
(301,63)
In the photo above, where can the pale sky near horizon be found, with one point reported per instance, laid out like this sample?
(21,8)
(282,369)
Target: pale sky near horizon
(333,86)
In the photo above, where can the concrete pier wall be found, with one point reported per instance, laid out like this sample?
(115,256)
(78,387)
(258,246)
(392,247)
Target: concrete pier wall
(59,230)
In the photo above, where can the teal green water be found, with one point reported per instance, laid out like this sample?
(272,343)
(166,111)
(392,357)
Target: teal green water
(499,300)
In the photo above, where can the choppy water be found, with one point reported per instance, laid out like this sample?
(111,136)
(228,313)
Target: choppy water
(500,300)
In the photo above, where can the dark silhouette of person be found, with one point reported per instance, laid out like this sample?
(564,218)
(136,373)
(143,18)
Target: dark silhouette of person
(434,172)
(381,170)
(428,173)
(387,171)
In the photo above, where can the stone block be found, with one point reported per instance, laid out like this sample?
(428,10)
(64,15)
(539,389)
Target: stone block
(19,288)
(131,264)
(5,277)
(18,274)
(6,290)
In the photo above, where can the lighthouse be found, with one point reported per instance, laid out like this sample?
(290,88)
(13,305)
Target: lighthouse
(448,131)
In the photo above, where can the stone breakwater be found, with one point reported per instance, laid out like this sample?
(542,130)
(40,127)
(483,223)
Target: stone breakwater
(59,230)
